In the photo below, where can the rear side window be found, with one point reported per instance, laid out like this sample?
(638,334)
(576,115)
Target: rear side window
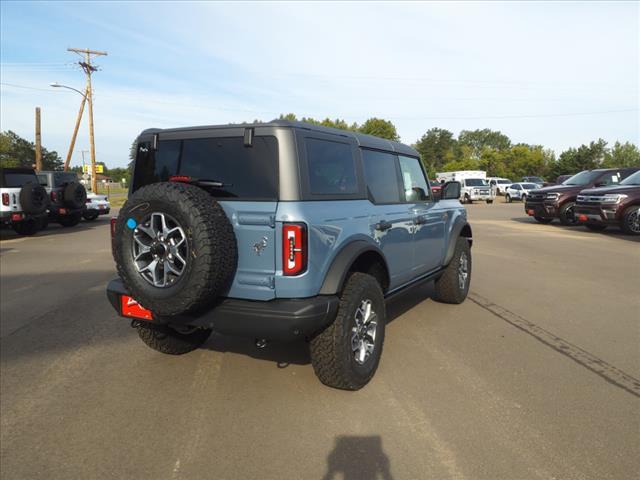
(381,176)
(42,178)
(17,180)
(61,178)
(415,184)
(331,167)
(246,173)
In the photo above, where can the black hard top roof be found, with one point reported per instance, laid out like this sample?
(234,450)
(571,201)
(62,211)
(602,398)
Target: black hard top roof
(17,170)
(368,141)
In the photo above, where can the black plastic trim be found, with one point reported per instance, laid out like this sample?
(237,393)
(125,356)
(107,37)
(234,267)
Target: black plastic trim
(284,319)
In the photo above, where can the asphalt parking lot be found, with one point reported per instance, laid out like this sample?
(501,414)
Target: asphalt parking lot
(535,376)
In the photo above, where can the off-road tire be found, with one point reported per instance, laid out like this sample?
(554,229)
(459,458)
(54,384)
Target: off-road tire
(33,198)
(75,195)
(165,339)
(90,217)
(489,202)
(630,216)
(596,227)
(44,222)
(213,251)
(544,220)
(332,356)
(508,198)
(70,220)
(447,287)
(26,227)
(566,218)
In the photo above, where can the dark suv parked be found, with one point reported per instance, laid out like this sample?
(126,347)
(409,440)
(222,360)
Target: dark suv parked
(558,201)
(68,197)
(619,205)
(282,230)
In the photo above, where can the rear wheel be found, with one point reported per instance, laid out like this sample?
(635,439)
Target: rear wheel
(166,339)
(596,227)
(70,220)
(508,198)
(26,227)
(567,214)
(90,216)
(544,220)
(347,353)
(631,220)
(489,201)
(453,285)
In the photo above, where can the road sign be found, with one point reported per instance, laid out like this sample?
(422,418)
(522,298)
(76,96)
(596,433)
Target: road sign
(87,168)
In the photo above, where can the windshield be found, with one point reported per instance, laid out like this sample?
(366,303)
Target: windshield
(505,181)
(475,182)
(632,179)
(529,186)
(583,178)
(533,179)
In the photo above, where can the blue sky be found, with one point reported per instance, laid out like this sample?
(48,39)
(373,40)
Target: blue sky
(556,74)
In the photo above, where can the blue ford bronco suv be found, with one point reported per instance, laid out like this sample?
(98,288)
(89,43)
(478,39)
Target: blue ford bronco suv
(282,231)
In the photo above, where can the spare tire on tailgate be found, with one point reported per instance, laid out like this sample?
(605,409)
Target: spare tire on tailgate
(33,198)
(75,195)
(174,247)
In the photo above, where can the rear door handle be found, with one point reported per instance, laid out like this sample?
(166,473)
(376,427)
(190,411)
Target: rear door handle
(383,225)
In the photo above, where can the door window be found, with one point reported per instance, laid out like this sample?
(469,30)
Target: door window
(413,179)
(381,176)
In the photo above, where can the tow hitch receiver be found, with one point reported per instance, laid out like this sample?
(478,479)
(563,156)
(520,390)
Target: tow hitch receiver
(132,309)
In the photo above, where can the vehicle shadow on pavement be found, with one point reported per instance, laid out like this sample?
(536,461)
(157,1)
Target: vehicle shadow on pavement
(7,233)
(297,353)
(358,457)
(612,232)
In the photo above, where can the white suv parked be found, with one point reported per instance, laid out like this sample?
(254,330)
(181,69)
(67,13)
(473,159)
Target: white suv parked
(499,184)
(519,191)
(24,201)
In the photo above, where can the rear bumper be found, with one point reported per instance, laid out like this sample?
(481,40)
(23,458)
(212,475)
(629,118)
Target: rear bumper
(16,217)
(284,319)
(61,211)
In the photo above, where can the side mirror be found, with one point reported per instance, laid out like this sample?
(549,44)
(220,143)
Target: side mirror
(450,191)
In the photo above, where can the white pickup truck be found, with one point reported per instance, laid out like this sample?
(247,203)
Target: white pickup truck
(474,185)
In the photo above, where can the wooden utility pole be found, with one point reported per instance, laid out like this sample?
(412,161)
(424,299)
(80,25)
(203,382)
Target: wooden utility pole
(75,132)
(88,70)
(38,142)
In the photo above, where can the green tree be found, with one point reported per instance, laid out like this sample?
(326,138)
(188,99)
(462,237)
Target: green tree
(622,155)
(436,147)
(15,151)
(585,157)
(478,140)
(380,128)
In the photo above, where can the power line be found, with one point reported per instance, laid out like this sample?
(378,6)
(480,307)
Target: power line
(434,117)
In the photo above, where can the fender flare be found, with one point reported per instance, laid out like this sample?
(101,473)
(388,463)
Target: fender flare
(342,263)
(453,238)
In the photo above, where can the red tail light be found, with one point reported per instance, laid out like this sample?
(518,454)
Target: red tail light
(180,178)
(5,199)
(114,220)
(54,196)
(294,248)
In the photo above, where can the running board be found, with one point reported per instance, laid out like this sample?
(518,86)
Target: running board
(418,282)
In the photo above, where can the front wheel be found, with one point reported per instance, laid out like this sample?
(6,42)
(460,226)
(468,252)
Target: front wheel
(489,201)
(453,285)
(631,220)
(168,340)
(347,353)
(90,216)
(567,214)
(508,198)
